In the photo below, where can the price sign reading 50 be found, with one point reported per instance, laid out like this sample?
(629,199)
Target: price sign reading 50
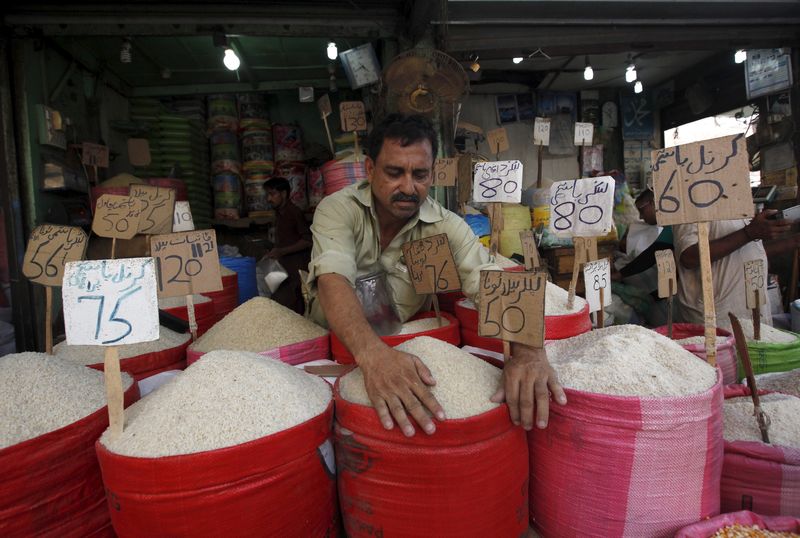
(110,302)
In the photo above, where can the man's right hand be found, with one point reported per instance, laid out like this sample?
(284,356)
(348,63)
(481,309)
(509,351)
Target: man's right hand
(397,385)
(762,227)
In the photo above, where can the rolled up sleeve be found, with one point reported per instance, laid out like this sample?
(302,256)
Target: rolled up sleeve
(334,248)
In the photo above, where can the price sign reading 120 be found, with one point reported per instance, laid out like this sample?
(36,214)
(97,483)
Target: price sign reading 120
(110,302)
(703,181)
(188,262)
(498,181)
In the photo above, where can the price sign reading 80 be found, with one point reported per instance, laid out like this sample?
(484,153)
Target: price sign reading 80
(582,207)
(188,262)
(498,181)
(110,302)
(512,306)
(703,181)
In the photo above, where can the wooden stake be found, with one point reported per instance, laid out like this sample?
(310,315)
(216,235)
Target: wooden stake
(48,320)
(669,311)
(757,317)
(192,320)
(506,350)
(436,309)
(539,167)
(573,284)
(358,152)
(496,217)
(709,308)
(328,132)
(114,394)
(113,247)
(580,161)
(600,313)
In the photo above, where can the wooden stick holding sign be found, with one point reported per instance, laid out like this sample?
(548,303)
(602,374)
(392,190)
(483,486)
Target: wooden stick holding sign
(754,284)
(116,217)
(667,285)
(432,267)
(325,110)
(700,183)
(541,138)
(111,303)
(597,276)
(493,182)
(187,263)
(512,307)
(50,247)
(353,118)
(581,257)
(529,251)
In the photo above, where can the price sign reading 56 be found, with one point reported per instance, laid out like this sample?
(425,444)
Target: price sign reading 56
(50,247)
(188,262)
(110,302)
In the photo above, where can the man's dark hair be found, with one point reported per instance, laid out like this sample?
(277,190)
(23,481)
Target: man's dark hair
(407,129)
(645,196)
(277,183)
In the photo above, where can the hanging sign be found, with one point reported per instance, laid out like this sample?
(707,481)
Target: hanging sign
(187,262)
(498,140)
(755,283)
(512,306)
(158,208)
(94,155)
(110,302)
(49,249)
(444,172)
(431,264)
(498,181)
(353,116)
(116,216)
(541,131)
(703,181)
(182,218)
(584,133)
(597,276)
(582,207)
(665,264)
(324,106)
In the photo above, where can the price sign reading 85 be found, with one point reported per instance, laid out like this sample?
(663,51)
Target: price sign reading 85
(110,302)
(512,306)
(188,262)
(597,276)
(498,181)
(582,207)
(703,181)
(431,264)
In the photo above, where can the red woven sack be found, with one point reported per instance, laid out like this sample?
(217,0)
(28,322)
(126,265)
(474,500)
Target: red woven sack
(555,327)
(467,479)
(726,350)
(759,477)
(203,315)
(226,299)
(150,364)
(51,484)
(282,485)
(707,528)
(448,300)
(611,466)
(449,333)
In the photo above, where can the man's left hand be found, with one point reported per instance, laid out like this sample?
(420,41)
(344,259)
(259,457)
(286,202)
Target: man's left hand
(529,379)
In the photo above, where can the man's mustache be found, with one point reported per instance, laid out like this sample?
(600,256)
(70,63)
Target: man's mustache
(400,197)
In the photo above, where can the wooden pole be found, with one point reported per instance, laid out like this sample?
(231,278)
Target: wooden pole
(506,350)
(358,152)
(113,246)
(669,311)
(709,308)
(328,132)
(600,313)
(114,394)
(192,319)
(48,320)
(496,218)
(757,317)
(436,309)
(573,284)
(539,167)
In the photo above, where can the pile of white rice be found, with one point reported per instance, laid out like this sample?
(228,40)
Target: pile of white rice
(464,383)
(40,393)
(785,382)
(769,335)
(422,325)
(555,302)
(175,302)
(783,412)
(224,399)
(258,325)
(167,339)
(629,360)
(694,340)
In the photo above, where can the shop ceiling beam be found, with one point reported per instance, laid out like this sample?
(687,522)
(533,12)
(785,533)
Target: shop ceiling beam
(776,21)
(320,84)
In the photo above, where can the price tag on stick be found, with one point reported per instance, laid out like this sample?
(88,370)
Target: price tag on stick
(444,172)
(498,181)
(116,216)
(667,284)
(432,267)
(582,207)
(512,306)
(529,250)
(188,262)
(597,276)
(755,292)
(158,208)
(94,155)
(353,116)
(584,133)
(498,140)
(541,131)
(182,218)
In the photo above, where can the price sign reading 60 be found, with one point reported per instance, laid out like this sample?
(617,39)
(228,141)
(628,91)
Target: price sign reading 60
(188,262)
(512,306)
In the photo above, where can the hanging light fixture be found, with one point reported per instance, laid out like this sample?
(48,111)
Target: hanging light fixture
(332,51)
(740,56)
(231,60)
(126,51)
(630,71)
(474,66)
(588,72)
(637,88)
(517,59)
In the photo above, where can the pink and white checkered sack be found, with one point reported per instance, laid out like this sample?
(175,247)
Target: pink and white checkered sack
(611,466)
(758,477)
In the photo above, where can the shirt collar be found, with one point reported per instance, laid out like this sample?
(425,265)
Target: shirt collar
(429,212)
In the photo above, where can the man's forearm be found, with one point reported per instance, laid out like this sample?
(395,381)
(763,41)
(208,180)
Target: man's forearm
(299,246)
(345,315)
(690,258)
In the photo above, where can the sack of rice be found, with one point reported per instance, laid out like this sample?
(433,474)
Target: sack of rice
(52,413)
(785,382)
(423,324)
(692,338)
(139,360)
(226,299)
(777,351)
(467,479)
(743,524)
(203,310)
(757,476)
(263,326)
(236,445)
(559,322)
(637,451)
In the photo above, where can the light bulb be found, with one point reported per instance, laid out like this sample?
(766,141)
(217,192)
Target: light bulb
(126,52)
(333,52)
(517,59)
(740,56)
(637,88)
(588,73)
(230,60)
(630,73)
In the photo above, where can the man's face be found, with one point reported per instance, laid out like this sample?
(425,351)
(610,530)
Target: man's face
(400,178)
(276,198)
(647,211)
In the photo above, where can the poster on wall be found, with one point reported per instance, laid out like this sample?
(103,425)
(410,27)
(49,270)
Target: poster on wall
(507,109)
(526,107)
(767,71)
(637,162)
(637,116)
(549,103)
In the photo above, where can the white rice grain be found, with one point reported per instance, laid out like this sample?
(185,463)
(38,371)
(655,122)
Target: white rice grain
(555,302)
(422,325)
(785,382)
(167,339)
(769,335)
(783,412)
(175,302)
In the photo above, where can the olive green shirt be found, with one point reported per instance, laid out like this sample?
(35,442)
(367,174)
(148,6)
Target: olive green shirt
(347,242)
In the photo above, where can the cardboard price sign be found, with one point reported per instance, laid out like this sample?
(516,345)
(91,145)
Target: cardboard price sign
(110,302)
(50,248)
(158,208)
(597,276)
(444,172)
(755,281)
(584,133)
(116,216)
(324,106)
(187,262)
(541,131)
(529,250)
(665,263)
(182,220)
(498,140)
(512,306)
(703,181)
(94,155)
(498,181)
(582,207)
(431,264)
(585,249)
(353,116)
